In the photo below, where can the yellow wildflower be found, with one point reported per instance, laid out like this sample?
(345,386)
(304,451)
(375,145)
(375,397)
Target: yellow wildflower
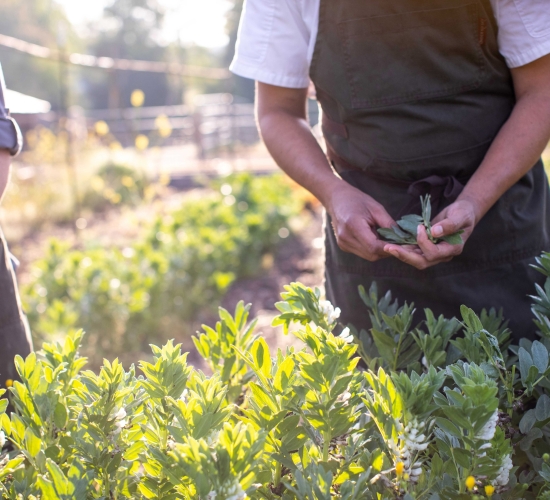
(470,482)
(9,382)
(399,468)
(489,490)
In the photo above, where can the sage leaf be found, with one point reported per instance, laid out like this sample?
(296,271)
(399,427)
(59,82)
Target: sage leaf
(407,227)
(454,239)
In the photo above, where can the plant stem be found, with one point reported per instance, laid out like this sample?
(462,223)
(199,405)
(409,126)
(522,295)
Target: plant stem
(326,445)
(278,474)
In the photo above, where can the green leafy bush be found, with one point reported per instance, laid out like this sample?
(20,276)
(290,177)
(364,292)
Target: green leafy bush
(447,409)
(113,185)
(126,298)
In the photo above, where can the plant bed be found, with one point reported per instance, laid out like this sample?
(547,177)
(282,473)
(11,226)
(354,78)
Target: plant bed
(447,409)
(177,272)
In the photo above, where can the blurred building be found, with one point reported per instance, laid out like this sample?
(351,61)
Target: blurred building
(27,110)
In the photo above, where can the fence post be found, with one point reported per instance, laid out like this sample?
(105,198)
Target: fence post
(197,133)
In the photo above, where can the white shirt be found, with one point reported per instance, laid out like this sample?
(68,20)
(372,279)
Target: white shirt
(277,37)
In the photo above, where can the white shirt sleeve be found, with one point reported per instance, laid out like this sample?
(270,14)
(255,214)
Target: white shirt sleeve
(524,30)
(276,41)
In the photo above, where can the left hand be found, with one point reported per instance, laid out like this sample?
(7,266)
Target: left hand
(461,215)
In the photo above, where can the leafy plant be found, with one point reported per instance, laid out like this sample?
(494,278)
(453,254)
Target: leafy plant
(447,409)
(405,232)
(115,184)
(187,260)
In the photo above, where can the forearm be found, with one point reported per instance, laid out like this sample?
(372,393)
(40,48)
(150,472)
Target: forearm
(515,150)
(517,147)
(4,170)
(290,141)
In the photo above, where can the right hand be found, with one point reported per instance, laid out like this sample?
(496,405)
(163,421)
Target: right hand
(355,219)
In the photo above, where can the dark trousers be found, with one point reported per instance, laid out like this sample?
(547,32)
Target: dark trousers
(14,332)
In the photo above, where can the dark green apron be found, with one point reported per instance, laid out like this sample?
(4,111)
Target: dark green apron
(14,333)
(413,94)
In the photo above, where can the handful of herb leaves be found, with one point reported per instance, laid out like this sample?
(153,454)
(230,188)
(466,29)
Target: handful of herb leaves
(406,230)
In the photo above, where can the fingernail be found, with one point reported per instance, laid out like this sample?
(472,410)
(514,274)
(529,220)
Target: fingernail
(437,230)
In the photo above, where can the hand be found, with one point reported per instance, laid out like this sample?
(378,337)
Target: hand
(461,215)
(355,218)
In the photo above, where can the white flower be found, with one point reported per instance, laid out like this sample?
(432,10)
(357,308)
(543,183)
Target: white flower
(328,310)
(425,362)
(504,472)
(2,439)
(413,438)
(121,414)
(120,424)
(346,336)
(232,491)
(487,432)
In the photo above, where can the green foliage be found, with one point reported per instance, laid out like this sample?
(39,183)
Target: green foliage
(406,230)
(467,416)
(115,185)
(125,298)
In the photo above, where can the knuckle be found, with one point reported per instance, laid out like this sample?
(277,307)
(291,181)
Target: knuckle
(341,234)
(430,257)
(421,266)
(372,257)
(451,226)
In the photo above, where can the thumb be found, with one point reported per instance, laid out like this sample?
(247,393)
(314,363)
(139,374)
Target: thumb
(450,225)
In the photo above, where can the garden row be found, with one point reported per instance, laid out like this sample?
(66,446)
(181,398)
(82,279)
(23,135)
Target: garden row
(125,298)
(447,409)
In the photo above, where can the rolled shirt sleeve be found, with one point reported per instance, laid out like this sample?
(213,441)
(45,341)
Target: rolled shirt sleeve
(524,30)
(276,40)
(10,134)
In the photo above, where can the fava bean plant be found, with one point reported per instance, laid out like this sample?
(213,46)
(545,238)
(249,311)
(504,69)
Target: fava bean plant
(186,260)
(444,409)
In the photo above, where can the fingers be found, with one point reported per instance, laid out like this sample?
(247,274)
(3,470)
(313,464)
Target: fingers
(452,223)
(357,236)
(413,257)
(381,217)
(436,253)
(408,256)
(427,254)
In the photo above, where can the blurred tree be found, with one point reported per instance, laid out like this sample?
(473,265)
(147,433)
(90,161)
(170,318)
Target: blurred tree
(40,22)
(129,29)
(242,87)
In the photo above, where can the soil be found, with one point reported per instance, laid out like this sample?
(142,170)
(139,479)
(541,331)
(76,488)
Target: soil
(300,258)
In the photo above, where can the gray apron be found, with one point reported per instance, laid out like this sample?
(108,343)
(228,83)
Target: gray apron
(14,333)
(413,94)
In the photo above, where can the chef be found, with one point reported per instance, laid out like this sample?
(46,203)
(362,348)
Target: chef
(449,98)
(14,334)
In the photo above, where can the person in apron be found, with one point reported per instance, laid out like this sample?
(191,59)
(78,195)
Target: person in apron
(417,100)
(14,332)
